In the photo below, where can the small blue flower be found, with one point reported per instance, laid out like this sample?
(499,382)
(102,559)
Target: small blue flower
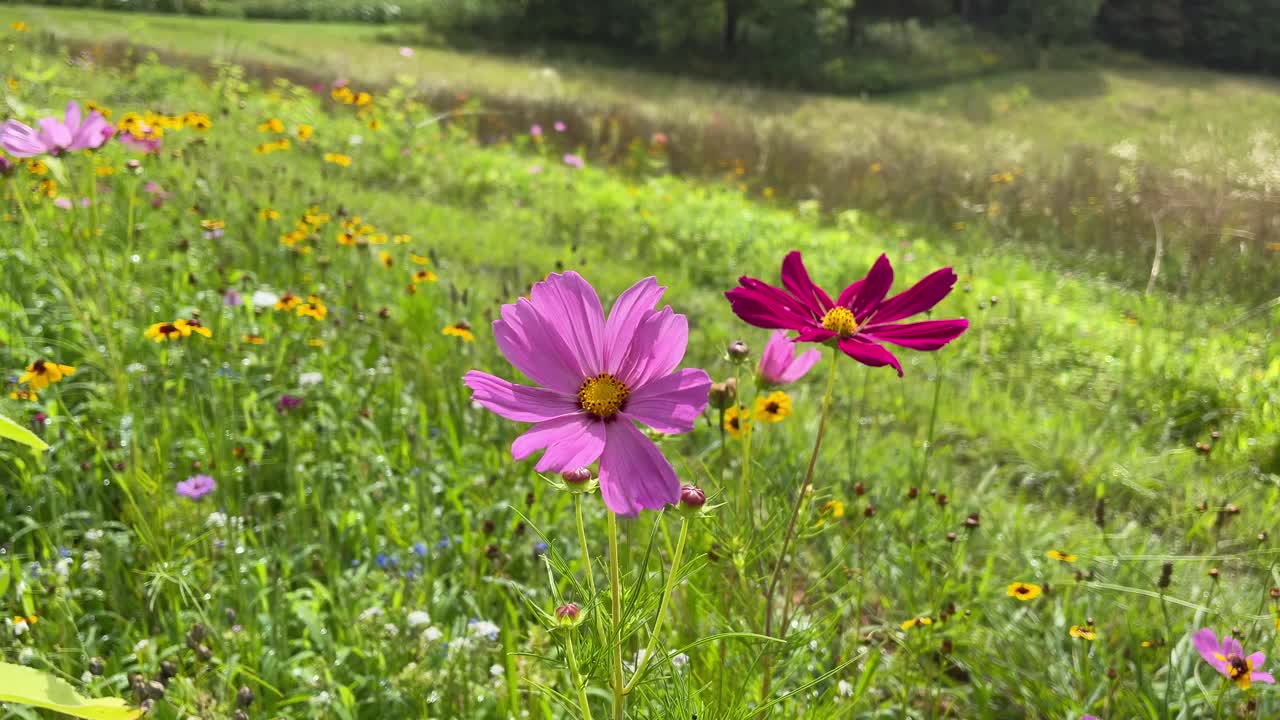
(539,549)
(444,543)
(420,549)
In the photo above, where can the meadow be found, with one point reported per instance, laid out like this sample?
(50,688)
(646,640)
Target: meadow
(269,492)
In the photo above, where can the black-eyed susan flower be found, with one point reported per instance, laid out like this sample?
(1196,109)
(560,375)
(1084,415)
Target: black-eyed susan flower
(315,342)
(195,326)
(272,126)
(47,187)
(212,228)
(417,259)
(314,217)
(916,622)
(460,330)
(197,121)
(104,171)
(1024,591)
(37,167)
(833,509)
(250,339)
(1060,556)
(1084,632)
(91,106)
(362,99)
(338,159)
(313,308)
(385,258)
(773,408)
(42,373)
(375,124)
(401,239)
(287,302)
(19,26)
(175,330)
(269,214)
(737,422)
(421,276)
(23,394)
(304,132)
(343,95)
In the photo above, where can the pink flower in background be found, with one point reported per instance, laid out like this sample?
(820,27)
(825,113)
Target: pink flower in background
(535,130)
(1228,658)
(144,145)
(232,298)
(55,136)
(157,193)
(574,161)
(596,377)
(196,486)
(860,320)
(560,126)
(6,165)
(406,52)
(287,403)
(779,364)
(62,203)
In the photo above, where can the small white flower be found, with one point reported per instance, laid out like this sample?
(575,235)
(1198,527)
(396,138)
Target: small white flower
(484,628)
(432,634)
(26,656)
(679,660)
(264,299)
(62,567)
(497,670)
(20,627)
(418,618)
(321,699)
(135,368)
(216,519)
(433,698)
(141,646)
(370,614)
(391,629)
(844,689)
(355,140)
(93,535)
(310,378)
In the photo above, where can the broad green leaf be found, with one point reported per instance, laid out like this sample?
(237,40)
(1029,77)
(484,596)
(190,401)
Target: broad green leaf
(28,686)
(13,431)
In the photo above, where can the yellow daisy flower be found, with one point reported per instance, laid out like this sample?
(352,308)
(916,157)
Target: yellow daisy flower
(737,422)
(1084,632)
(1060,556)
(385,258)
(916,622)
(269,214)
(305,132)
(338,159)
(272,126)
(23,394)
(252,339)
(41,373)
(774,408)
(313,308)
(1024,591)
(422,276)
(460,330)
(287,302)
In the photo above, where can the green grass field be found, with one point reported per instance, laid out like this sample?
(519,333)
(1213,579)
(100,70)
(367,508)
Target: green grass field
(372,550)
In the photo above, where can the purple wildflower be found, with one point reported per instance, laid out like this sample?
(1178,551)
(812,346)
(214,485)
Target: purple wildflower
(287,403)
(560,126)
(55,137)
(535,130)
(231,298)
(596,378)
(196,486)
(779,364)
(574,161)
(1228,658)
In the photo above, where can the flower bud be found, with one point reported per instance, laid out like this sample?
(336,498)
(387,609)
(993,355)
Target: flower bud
(96,666)
(692,497)
(244,698)
(724,394)
(577,476)
(568,615)
(738,351)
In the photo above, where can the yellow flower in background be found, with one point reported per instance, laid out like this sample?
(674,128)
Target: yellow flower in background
(875,168)
(1084,632)
(362,99)
(401,239)
(833,508)
(176,330)
(104,171)
(460,330)
(48,187)
(19,26)
(314,217)
(737,422)
(343,95)
(313,308)
(272,126)
(1024,591)
(315,342)
(422,276)
(269,214)
(304,132)
(211,225)
(774,408)
(375,124)
(36,167)
(24,394)
(91,106)
(1060,556)
(917,622)
(252,339)
(287,302)
(41,373)
(417,259)
(385,258)
(338,159)
(12,84)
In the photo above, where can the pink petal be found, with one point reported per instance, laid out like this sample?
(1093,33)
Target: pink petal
(815,334)
(658,347)
(671,404)
(72,115)
(634,475)
(629,310)
(869,353)
(570,306)
(766,306)
(795,278)
(535,349)
(20,140)
(1231,646)
(848,294)
(1262,677)
(924,335)
(779,364)
(572,441)
(92,134)
(874,287)
(801,365)
(520,403)
(1206,643)
(1257,659)
(54,134)
(919,297)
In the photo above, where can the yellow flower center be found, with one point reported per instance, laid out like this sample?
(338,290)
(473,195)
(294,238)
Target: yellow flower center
(603,395)
(840,320)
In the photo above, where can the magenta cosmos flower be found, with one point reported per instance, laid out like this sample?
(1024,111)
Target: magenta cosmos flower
(56,136)
(1228,658)
(779,363)
(196,486)
(860,320)
(597,377)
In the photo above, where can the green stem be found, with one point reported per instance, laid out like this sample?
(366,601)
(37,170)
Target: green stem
(1168,634)
(615,586)
(744,482)
(586,554)
(576,675)
(662,607)
(795,514)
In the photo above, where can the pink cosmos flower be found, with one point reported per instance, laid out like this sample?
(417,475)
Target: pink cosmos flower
(574,161)
(6,165)
(596,378)
(406,52)
(560,126)
(779,364)
(1228,658)
(196,486)
(56,136)
(144,145)
(860,320)
(535,130)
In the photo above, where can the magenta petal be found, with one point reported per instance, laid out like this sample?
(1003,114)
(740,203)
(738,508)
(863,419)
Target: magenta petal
(671,404)
(815,334)
(795,278)
(848,294)
(535,349)
(520,403)
(20,140)
(919,297)
(801,365)
(570,306)
(657,348)
(779,364)
(1262,677)
(54,134)
(629,310)
(566,439)
(1258,659)
(924,335)
(763,305)
(92,134)
(72,115)
(1206,643)
(634,475)
(874,287)
(1231,646)
(869,353)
